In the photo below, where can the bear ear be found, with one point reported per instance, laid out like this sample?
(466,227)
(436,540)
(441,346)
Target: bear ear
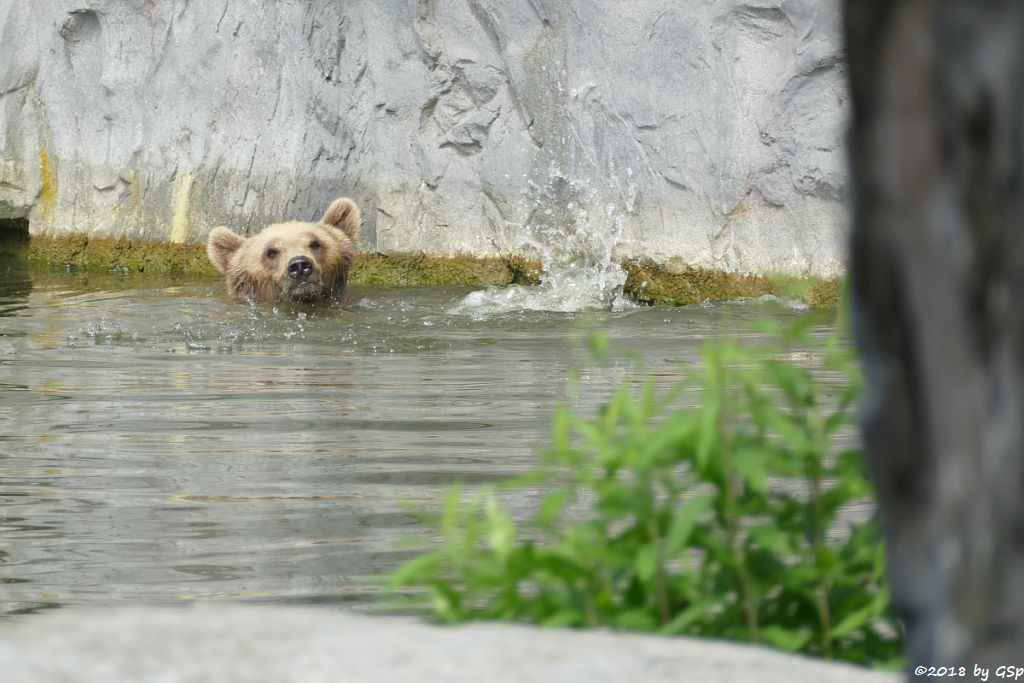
(343,214)
(221,246)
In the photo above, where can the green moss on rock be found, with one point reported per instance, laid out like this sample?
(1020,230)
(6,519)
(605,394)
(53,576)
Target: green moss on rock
(651,283)
(91,254)
(824,293)
(677,284)
(646,282)
(380,270)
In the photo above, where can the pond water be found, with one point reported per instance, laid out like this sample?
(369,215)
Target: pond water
(160,442)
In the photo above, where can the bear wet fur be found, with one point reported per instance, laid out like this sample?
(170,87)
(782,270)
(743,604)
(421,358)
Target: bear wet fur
(293,261)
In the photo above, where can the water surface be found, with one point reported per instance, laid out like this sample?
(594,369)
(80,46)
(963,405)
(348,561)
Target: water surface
(160,442)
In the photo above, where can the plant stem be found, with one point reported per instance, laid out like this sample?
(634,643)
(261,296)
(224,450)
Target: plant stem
(731,514)
(588,605)
(660,594)
(813,468)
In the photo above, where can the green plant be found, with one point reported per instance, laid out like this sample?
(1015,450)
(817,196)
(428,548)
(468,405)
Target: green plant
(725,519)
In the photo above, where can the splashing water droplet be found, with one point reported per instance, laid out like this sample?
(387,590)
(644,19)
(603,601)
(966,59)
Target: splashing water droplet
(574,234)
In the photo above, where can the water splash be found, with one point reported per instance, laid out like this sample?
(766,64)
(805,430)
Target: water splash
(573,233)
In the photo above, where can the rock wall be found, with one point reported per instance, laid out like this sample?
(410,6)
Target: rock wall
(706,132)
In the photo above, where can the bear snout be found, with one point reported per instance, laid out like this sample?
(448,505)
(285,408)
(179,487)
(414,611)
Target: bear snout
(300,268)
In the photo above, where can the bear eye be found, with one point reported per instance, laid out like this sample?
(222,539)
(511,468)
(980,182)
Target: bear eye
(272,253)
(315,244)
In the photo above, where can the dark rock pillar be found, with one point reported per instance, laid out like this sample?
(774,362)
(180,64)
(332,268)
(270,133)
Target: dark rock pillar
(938,300)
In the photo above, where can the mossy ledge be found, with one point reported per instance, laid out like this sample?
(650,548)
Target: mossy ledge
(647,282)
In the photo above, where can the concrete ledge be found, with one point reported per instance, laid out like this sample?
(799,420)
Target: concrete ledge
(232,644)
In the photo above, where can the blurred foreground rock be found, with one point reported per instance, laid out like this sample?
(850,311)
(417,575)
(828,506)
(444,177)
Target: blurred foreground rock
(283,645)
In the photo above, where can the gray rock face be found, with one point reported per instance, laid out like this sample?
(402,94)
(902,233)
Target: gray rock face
(706,131)
(285,645)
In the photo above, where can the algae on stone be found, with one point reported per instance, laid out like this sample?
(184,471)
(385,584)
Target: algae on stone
(649,283)
(646,283)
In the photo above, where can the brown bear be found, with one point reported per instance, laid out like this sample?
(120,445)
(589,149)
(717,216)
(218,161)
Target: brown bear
(294,261)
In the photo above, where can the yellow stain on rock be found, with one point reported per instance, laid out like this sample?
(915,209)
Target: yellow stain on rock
(133,183)
(179,209)
(47,186)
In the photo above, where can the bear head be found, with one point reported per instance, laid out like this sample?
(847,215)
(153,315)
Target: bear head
(294,261)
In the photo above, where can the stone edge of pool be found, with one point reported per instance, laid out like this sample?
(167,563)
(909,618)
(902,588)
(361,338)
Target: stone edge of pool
(647,282)
(234,643)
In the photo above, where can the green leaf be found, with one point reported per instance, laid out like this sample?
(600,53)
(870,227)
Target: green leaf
(445,602)
(790,640)
(835,421)
(416,571)
(598,347)
(564,619)
(551,507)
(661,446)
(691,615)
(794,381)
(635,620)
(750,467)
(613,409)
(561,430)
(790,431)
(853,621)
(646,563)
(708,436)
(592,433)
(772,538)
(501,530)
(684,519)
(862,617)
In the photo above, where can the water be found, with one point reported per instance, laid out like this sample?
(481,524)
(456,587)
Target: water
(574,232)
(160,442)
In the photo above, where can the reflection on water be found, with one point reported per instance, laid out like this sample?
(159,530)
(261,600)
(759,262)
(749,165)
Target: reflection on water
(15,284)
(160,442)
